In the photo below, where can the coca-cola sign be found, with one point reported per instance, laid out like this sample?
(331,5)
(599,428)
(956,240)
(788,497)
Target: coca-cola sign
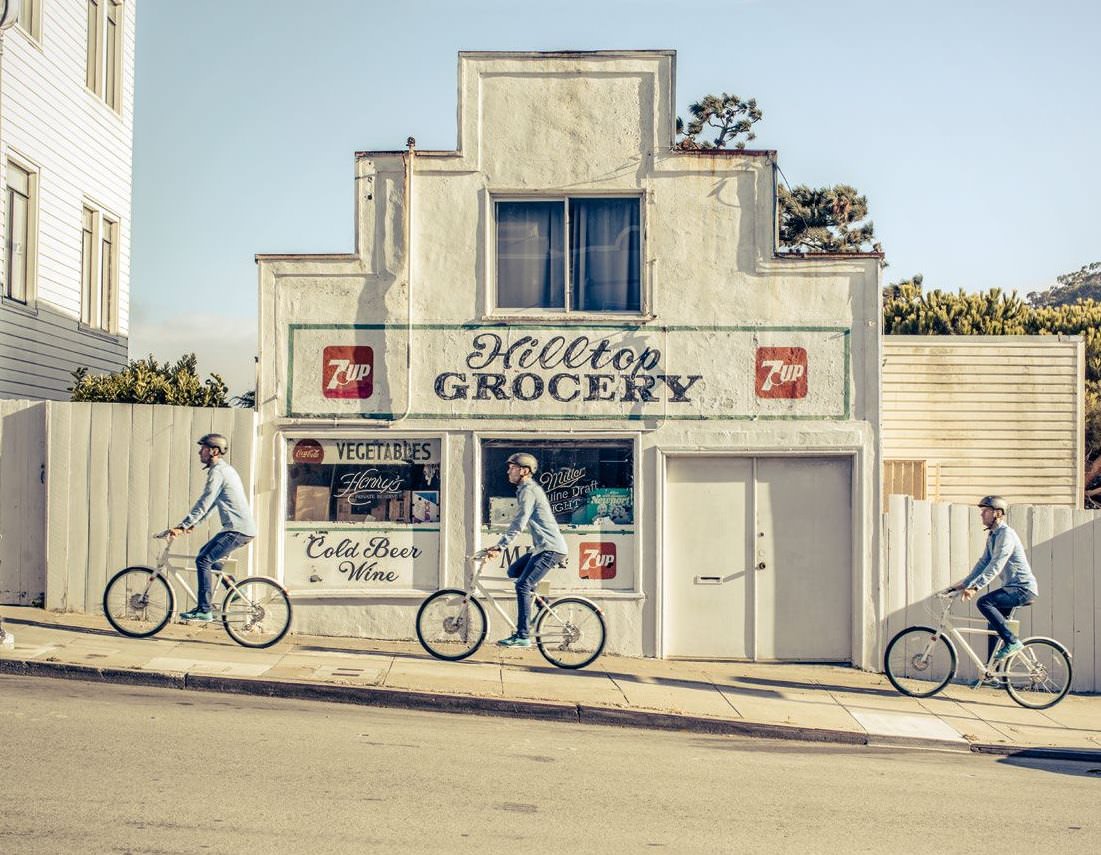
(308,451)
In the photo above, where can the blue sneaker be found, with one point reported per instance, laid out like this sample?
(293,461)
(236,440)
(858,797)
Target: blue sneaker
(514,641)
(197,616)
(1008,650)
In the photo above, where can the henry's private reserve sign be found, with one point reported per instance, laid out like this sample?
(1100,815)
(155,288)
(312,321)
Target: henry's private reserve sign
(567,371)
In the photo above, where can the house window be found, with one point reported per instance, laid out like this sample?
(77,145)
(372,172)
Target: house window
(20,234)
(30,18)
(99,270)
(569,254)
(103,72)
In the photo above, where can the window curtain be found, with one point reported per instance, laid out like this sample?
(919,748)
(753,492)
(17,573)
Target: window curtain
(604,247)
(530,258)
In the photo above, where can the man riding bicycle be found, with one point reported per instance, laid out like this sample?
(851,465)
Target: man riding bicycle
(548,547)
(1004,554)
(225,492)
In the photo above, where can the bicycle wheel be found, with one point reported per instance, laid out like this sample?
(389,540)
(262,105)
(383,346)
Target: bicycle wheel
(918,663)
(570,632)
(138,602)
(1039,675)
(256,612)
(451,624)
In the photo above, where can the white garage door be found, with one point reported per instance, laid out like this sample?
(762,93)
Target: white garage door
(758,558)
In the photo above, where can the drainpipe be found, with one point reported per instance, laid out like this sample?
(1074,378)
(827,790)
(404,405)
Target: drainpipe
(410,154)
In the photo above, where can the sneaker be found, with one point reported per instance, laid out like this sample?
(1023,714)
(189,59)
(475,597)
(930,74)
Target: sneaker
(515,641)
(196,615)
(1008,650)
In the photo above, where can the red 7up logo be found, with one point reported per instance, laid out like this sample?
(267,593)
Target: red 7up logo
(597,561)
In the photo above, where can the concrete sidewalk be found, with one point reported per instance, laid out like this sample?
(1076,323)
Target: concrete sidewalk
(819,703)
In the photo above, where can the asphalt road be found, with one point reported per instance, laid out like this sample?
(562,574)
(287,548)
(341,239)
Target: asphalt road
(108,769)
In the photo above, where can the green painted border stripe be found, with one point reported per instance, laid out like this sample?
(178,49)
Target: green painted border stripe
(576,325)
(544,417)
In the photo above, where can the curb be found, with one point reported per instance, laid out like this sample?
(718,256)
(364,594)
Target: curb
(472,704)
(1085,755)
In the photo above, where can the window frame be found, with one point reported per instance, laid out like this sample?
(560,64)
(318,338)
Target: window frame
(493,309)
(99,273)
(29,19)
(484,533)
(104,44)
(30,272)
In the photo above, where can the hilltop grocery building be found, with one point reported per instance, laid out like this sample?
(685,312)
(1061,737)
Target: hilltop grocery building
(705,410)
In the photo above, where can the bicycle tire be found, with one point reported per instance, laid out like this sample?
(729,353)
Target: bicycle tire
(1039,676)
(137,606)
(256,612)
(451,624)
(570,632)
(915,668)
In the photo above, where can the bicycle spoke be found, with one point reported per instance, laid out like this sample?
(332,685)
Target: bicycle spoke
(1039,676)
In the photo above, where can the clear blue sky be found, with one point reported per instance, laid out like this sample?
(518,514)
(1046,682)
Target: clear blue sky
(972,128)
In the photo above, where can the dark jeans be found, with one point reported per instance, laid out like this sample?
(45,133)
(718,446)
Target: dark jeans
(997,606)
(210,558)
(528,570)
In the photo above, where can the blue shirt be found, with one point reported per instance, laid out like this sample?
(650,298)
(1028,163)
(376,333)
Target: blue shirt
(1003,554)
(225,492)
(534,511)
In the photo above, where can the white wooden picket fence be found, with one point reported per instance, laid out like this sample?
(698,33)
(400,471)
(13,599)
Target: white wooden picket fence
(83,487)
(928,546)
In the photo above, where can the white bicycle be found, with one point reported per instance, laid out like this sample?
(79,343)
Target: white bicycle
(139,602)
(452,624)
(921,660)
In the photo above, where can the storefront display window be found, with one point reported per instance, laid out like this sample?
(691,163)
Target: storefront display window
(362,513)
(590,486)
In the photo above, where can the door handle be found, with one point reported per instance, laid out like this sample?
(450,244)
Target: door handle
(709,580)
(761,566)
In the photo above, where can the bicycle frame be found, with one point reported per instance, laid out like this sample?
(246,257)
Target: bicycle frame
(946,627)
(163,564)
(540,599)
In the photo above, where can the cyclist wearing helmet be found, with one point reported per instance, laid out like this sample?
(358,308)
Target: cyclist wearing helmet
(1004,554)
(548,547)
(225,492)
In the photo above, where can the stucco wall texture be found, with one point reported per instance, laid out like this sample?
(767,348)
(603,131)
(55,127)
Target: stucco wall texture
(420,287)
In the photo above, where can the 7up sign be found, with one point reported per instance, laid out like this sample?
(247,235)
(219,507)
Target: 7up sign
(781,372)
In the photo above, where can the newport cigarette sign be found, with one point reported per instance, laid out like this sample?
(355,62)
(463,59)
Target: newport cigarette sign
(606,372)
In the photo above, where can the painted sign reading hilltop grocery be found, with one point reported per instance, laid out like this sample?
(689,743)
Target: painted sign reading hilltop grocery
(566,371)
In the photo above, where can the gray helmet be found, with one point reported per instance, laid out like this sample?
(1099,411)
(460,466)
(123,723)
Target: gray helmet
(526,460)
(996,503)
(215,440)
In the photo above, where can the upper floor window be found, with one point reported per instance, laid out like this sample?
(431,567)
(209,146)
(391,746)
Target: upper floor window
(30,18)
(569,254)
(20,234)
(103,73)
(99,265)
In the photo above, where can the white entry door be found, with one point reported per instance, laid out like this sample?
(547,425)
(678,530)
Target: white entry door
(758,558)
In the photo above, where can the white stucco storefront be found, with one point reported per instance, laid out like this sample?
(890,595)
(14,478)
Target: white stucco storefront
(704,410)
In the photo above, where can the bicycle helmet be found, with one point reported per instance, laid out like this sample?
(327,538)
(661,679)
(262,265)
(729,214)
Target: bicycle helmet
(526,460)
(215,441)
(996,503)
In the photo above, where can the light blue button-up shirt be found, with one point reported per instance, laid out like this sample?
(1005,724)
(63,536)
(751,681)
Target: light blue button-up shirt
(535,511)
(1003,554)
(225,492)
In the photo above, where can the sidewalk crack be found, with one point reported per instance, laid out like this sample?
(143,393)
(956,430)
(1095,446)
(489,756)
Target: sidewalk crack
(619,688)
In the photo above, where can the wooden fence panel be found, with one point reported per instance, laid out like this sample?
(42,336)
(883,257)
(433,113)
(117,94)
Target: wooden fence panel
(22,502)
(117,473)
(1064,548)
